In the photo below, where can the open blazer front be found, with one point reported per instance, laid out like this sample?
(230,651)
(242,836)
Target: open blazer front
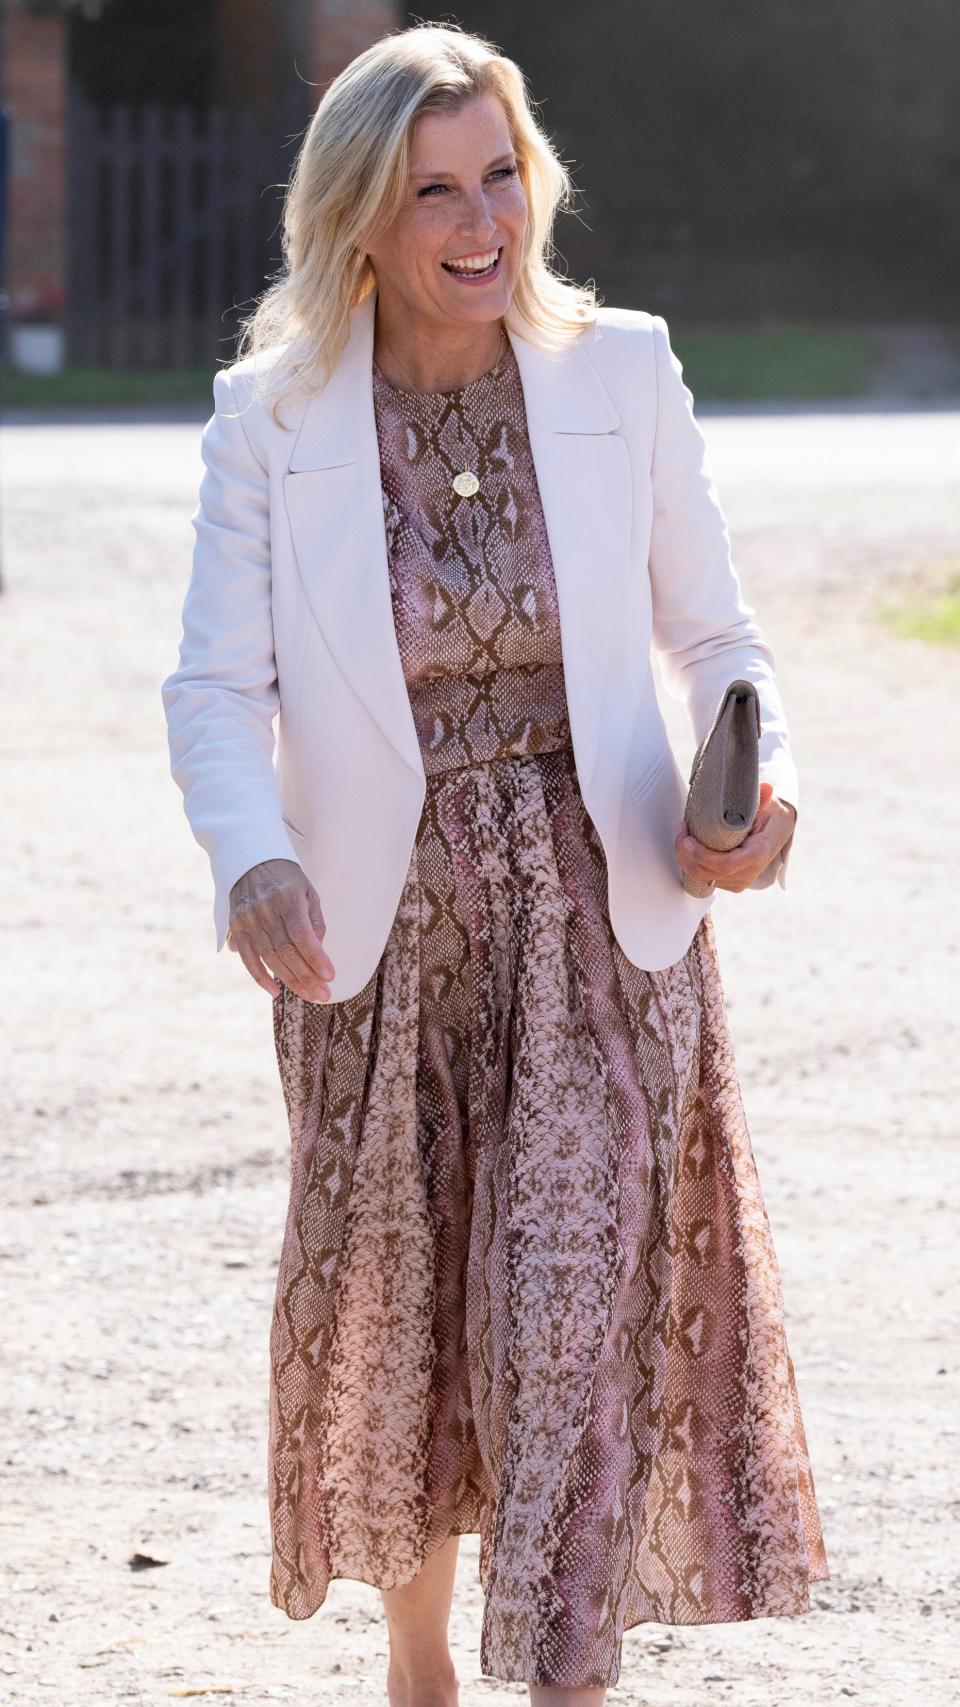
(288,612)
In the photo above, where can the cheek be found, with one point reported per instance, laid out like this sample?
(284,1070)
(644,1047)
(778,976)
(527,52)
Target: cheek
(515,210)
(432,221)
(418,233)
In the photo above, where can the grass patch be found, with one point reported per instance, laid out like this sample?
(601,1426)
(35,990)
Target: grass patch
(937,621)
(105,387)
(933,615)
(727,365)
(776,363)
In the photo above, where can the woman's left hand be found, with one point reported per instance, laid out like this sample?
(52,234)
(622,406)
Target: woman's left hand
(737,868)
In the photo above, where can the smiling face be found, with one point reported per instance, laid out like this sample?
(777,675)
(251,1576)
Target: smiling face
(463,202)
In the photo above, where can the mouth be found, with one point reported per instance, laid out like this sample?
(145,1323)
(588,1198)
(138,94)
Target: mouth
(474,275)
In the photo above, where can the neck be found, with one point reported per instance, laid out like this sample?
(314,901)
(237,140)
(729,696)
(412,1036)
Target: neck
(419,358)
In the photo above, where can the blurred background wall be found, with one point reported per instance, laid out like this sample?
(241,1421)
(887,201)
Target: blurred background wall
(743,165)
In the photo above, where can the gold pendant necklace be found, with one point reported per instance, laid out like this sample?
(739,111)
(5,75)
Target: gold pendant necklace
(466,483)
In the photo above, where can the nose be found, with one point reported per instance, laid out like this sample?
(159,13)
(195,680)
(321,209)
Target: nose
(478,221)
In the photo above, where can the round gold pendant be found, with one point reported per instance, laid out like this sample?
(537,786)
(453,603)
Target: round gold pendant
(466,483)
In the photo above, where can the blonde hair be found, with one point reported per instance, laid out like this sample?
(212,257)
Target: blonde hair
(350,177)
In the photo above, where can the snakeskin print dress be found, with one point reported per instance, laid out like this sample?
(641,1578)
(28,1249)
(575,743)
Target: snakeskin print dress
(527,1286)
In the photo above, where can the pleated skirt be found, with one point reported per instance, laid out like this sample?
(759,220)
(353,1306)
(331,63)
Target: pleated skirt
(528,1287)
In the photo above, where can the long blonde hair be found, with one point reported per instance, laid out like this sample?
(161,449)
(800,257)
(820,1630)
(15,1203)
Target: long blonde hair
(350,177)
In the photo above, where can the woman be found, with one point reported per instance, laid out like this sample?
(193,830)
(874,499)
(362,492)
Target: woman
(527,1287)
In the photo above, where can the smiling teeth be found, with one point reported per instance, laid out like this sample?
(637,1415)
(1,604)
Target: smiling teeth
(474,263)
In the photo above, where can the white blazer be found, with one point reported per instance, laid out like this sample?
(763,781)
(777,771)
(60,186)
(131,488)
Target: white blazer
(288,616)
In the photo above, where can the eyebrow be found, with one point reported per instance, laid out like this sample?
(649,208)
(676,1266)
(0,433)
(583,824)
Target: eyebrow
(429,173)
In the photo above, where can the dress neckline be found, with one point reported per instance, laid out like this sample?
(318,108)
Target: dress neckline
(492,374)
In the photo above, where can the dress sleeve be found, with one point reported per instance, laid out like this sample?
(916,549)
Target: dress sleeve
(704,633)
(222,699)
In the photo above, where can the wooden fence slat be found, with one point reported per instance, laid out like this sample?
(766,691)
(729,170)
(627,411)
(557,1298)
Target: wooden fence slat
(218,282)
(182,158)
(151,155)
(174,217)
(81,310)
(119,273)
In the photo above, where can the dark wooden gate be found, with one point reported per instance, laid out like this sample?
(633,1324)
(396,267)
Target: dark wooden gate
(174,229)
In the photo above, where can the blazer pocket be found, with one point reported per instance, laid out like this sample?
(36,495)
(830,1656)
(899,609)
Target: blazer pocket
(294,827)
(641,784)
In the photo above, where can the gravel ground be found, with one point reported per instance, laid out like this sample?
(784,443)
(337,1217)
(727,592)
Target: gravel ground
(144,1143)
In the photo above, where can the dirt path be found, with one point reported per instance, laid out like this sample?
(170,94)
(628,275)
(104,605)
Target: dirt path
(144,1141)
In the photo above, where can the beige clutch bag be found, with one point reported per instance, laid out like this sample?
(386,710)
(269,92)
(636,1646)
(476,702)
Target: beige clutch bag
(724,793)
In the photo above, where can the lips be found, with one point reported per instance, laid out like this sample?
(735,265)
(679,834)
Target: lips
(471,274)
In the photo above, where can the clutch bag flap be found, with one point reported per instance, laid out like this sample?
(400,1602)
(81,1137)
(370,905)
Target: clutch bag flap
(724,792)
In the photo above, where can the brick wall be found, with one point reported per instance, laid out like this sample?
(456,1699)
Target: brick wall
(34,91)
(343,28)
(314,39)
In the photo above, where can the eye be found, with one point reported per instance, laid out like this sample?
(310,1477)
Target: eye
(510,171)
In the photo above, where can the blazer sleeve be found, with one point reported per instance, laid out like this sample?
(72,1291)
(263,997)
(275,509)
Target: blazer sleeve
(703,632)
(222,699)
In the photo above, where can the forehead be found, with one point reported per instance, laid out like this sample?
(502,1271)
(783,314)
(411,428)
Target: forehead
(442,141)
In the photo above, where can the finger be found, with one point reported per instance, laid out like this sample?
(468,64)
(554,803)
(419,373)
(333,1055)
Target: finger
(286,969)
(309,978)
(726,867)
(766,811)
(261,931)
(732,868)
(304,933)
(256,969)
(762,841)
(741,872)
(696,858)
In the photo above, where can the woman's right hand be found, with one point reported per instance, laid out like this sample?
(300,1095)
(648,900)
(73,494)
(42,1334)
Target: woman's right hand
(276,922)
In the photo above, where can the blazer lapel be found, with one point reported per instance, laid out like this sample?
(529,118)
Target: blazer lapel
(335,509)
(583,472)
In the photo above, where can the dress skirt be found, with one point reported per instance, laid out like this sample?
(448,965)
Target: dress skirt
(527,1287)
